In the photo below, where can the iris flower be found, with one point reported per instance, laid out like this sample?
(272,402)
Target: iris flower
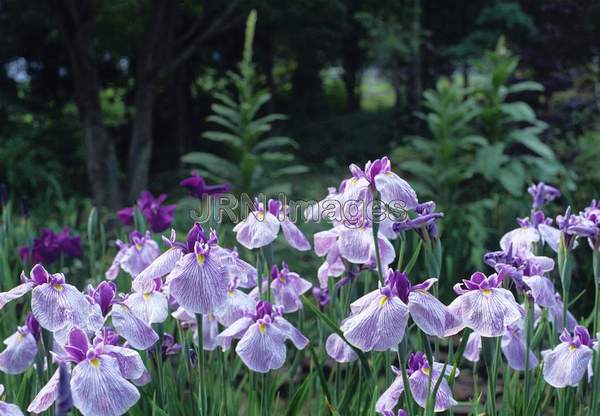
(198,188)
(567,363)
(419,372)
(100,379)
(8,409)
(21,348)
(287,287)
(339,350)
(159,216)
(262,225)
(135,256)
(379,318)
(262,338)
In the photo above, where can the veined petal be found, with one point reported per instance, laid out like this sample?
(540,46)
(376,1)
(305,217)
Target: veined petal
(9,409)
(355,244)
(47,395)
(394,189)
(419,383)
(389,399)
(19,354)
(520,239)
(513,347)
(152,307)
(489,312)
(135,261)
(137,332)
(54,305)
(262,351)
(199,288)
(364,301)
(15,293)
(290,332)
(254,233)
(378,327)
(566,366)
(542,290)
(454,322)
(473,347)
(550,236)
(158,268)
(130,363)
(428,312)
(235,330)
(98,388)
(339,350)
(386,251)
(324,240)
(237,305)
(294,236)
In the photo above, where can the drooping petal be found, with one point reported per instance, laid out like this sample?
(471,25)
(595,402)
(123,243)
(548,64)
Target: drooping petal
(454,322)
(379,327)
(137,259)
(513,347)
(550,236)
(489,311)
(355,244)
(395,190)
(389,399)
(419,383)
(290,332)
(19,354)
(158,268)
(199,287)
(235,330)
(339,350)
(99,389)
(287,294)
(294,236)
(473,347)
(130,363)
(324,240)
(542,290)
(151,307)
(237,305)
(9,409)
(428,312)
(260,350)
(137,332)
(54,305)
(257,230)
(15,293)
(520,239)
(566,365)
(46,396)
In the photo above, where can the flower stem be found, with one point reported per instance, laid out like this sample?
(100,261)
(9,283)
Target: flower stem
(202,387)
(375,214)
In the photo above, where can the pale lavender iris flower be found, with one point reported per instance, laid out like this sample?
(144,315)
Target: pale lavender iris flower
(287,287)
(237,305)
(8,409)
(100,378)
(568,362)
(135,256)
(21,348)
(339,350)
(484,306)
(262,338)
(262,225)
(419,373)
(378,319)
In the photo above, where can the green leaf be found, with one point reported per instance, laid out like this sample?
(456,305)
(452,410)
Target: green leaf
(275,141)
(277,157)
(222,137)
(519,111)
(488,160)
(533,143)
(290,170)
(512,177)
(229,113)
(215,164)
(223,122)
(297,402)
(525,86)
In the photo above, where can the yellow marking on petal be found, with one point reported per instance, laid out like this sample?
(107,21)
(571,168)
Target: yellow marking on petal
(200,259)
(260,215)
(95,362)
(21,337)
(262,328)
(383,301)
(147,296)
(425,370)
(138,247)
(58,288)
(572,348)
(231,293)
(487,292)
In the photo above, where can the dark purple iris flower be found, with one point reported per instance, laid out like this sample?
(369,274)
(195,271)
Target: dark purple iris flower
(198,188)
(426,218)
(48,247)
(542,194)
(159,216)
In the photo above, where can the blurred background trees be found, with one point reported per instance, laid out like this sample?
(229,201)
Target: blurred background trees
(102,99)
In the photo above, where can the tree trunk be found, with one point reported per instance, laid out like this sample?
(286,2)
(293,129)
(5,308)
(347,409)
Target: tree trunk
(77,22)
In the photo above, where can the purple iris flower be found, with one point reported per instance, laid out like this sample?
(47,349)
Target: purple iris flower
(378,319)
(484,306)
(419,372)
(8,409)
(128,322)
(339,350)
(198,188)
(135,256)
(262,338)
(513,346)
(55,304)
(333,266)
(522,239)
(159,216)
(567,363)
(542,194)
(591,215)
(570,227)
(149,304)
(262,225)
(100,379)
(48,247)
(425,221)
(287,287)
(21,348)
(237,305)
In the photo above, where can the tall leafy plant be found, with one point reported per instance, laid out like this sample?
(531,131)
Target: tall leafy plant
(259,161)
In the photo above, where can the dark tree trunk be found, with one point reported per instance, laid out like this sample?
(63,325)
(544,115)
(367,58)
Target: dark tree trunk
(352,61)
(77,22)
(155,48)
